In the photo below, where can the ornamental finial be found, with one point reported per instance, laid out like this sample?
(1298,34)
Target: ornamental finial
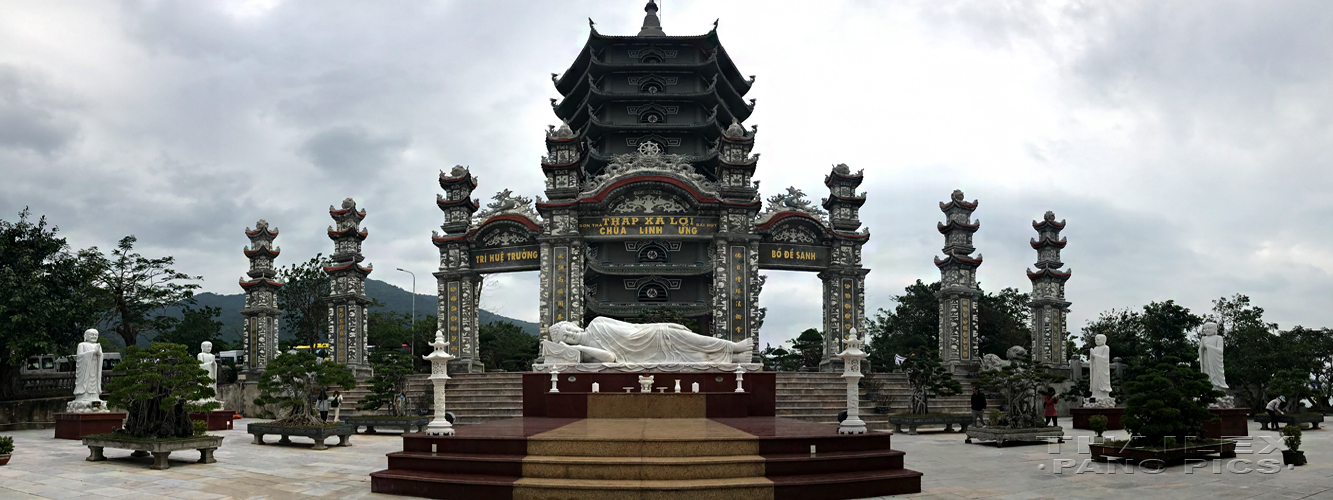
(652,26)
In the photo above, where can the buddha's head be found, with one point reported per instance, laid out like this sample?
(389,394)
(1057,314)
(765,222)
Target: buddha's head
(1101,340)
(90,335)
(1209,329)
(206,347)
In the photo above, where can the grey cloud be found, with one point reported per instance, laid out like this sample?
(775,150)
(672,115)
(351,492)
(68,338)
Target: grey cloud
(353,149)
(29,117)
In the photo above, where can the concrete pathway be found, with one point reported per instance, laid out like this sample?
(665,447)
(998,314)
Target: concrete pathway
(43,467)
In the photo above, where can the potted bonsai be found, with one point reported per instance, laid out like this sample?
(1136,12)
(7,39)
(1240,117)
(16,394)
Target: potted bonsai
(1165,415)
(1019,384)
(928,379)
(291,382)
(390,380)
(6,449)
(1097,423)
(159,387)
(1291,437)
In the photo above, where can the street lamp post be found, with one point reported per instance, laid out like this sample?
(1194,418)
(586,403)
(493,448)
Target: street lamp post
(411,327)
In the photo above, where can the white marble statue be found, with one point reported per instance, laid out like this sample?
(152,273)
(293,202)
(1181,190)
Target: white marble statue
(606,340)
(1210,356)
(208,362)
(88,376)
(1099,375)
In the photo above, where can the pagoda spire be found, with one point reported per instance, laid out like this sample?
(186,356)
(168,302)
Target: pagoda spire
(958,293)
(652,26)
(261,311)
(1049,308)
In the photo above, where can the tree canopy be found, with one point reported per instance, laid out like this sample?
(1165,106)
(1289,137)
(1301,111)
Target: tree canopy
(159,386)
(194,327)
(505,346)
(914,323)
(301,298)
(140,289)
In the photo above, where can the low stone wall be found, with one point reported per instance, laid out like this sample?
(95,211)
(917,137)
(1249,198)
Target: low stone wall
(240,397)
(31,413)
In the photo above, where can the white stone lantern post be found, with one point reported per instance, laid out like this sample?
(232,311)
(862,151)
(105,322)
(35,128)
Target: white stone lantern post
(851,372)
(439,375)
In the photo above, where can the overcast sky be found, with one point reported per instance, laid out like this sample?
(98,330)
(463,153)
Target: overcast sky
(1187,143)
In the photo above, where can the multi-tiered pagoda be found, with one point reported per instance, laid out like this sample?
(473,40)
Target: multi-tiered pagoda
(958,293)
(261,311)
(1049,307)
(650,203)
(347,301)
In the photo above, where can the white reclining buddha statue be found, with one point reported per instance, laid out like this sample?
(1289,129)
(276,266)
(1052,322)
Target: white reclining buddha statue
(607,341)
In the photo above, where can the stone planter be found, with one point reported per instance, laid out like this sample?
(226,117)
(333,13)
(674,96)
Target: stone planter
(1001,435)
(1314,419)
(318,434)
(404,423)
(912,422)
(1102,453)
(1112,415)
(160,449)
(1293,457)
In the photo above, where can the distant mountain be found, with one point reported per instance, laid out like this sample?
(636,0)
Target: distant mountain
(394,299)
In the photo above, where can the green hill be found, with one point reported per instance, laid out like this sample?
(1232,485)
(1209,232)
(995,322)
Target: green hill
(394,299)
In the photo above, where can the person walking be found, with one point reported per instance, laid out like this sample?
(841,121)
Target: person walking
(1274,408)
(978,407)
(322,404)
(1050,407)
(336,402)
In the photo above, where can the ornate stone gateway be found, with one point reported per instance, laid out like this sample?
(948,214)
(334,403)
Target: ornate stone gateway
(650,204)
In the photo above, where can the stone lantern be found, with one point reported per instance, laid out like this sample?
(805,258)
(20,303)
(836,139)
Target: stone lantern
(439,375)
(851,372)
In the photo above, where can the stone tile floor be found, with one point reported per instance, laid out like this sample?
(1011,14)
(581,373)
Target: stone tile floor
(43,467)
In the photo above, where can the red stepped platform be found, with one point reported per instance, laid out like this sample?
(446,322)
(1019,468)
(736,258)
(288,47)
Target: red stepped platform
(695,458)
(78,425)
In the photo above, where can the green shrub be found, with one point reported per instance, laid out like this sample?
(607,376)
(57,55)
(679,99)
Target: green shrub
(1291,436)
(1168,400)
(200,427)
(928,379)
(1019,384)
(1097,423)
(159,387)
(993,416)
(6,445)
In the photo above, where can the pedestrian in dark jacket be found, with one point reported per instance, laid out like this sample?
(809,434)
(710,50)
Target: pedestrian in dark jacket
(978,407)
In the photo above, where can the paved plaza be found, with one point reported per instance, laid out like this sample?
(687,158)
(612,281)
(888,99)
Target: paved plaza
(43,467)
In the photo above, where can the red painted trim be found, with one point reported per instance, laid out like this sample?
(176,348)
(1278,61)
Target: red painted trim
(269,251)
(699,197)
(514,217)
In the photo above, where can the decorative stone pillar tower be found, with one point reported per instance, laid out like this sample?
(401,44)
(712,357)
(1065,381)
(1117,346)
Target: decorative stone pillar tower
(958,293)
(1049,308)
(439,376)
(851,360)
(261,311)
(736,279)
(458,286)
(845,280)
(347,289)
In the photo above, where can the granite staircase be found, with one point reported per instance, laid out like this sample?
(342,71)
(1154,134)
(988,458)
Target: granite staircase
(819,397)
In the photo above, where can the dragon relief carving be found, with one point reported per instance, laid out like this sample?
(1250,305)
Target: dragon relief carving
(622,165)
(505,237)
(643,202)
(790,233)
(506,202)
(793,200)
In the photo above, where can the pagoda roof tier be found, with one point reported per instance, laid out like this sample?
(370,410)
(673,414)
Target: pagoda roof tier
(575,111)
(645,269)
(1049,273)
(846,180)
(1051,301)
(944,207)
(709,127)
(1048,242)
(633,309)
(260,283)
(834,199)
(351,232)
(262,230)
(269,251)
(705,43)
(957,260)
(348,267)
(1049,264)
(944,228)
(348,213)
(459,174)
(467,202)
(1043,224)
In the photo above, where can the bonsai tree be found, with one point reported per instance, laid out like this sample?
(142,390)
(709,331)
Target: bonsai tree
(1098,424)
(928,379)
(390,380)
(292,380)
(1019,384)
(7,445)
(1168,404)
(159,386)
(1291,436)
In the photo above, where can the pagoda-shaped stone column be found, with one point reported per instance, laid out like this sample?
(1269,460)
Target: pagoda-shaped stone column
(458,286)
(959,294)
(845,280)
(347,289)
(1049,308)
(261,311)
